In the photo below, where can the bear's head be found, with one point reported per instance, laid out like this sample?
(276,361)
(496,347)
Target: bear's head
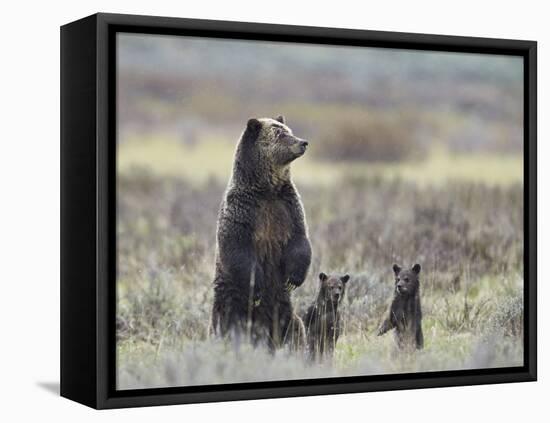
(406,280)
(332,288)
(273,141)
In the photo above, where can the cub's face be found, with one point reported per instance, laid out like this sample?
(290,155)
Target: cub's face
(333,287)
(276,142)
(406,280)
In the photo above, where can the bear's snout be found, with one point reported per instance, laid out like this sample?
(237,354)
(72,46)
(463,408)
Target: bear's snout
(302,146)
(299,147)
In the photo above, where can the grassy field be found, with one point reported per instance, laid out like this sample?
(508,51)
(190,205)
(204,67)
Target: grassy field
(459,216)
(211,157)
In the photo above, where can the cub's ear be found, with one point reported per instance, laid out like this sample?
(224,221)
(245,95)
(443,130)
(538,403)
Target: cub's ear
(280,119)
(416,268)
(322,277)
(396,269)
(344,278)
(253,125)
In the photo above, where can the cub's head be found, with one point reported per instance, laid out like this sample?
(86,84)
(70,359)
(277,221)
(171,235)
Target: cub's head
(275,143)
(406,280)
(332,287)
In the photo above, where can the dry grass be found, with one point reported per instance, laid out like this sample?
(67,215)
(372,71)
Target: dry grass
(468,237)
(211,157)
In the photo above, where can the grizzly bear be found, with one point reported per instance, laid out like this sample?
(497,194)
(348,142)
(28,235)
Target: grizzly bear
(322,319)
(262,251)
(405,314)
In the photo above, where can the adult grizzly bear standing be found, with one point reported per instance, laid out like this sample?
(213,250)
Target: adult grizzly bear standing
(263,251)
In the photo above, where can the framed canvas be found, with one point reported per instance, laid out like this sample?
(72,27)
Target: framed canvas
(258,211)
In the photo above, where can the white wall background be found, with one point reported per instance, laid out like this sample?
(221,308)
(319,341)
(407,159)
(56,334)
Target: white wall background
(29,222)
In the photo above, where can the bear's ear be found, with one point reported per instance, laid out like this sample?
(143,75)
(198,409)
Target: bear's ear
(253,125)
(416,268)
(396,269)
(280,119)
(322,277)
(344,278)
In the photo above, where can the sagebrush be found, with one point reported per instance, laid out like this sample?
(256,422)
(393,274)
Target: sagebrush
(468,238)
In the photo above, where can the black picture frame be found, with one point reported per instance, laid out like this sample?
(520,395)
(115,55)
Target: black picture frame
(88,197)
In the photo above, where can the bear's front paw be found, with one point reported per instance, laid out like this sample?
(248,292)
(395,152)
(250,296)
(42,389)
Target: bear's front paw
(290,286)
(295,280)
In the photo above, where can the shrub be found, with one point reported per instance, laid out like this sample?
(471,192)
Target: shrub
(380,139)
(507,319)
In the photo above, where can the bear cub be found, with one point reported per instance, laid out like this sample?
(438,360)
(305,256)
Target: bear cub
(322,319)
(405,314)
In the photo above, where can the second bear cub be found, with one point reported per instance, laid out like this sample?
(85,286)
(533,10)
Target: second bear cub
(322,319)
(405,314)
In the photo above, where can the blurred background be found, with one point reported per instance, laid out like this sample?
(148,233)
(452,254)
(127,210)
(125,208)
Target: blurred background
(414,157)
(460,114)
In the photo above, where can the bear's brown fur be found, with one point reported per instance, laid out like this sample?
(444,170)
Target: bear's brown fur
(322,319)
(263,250)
